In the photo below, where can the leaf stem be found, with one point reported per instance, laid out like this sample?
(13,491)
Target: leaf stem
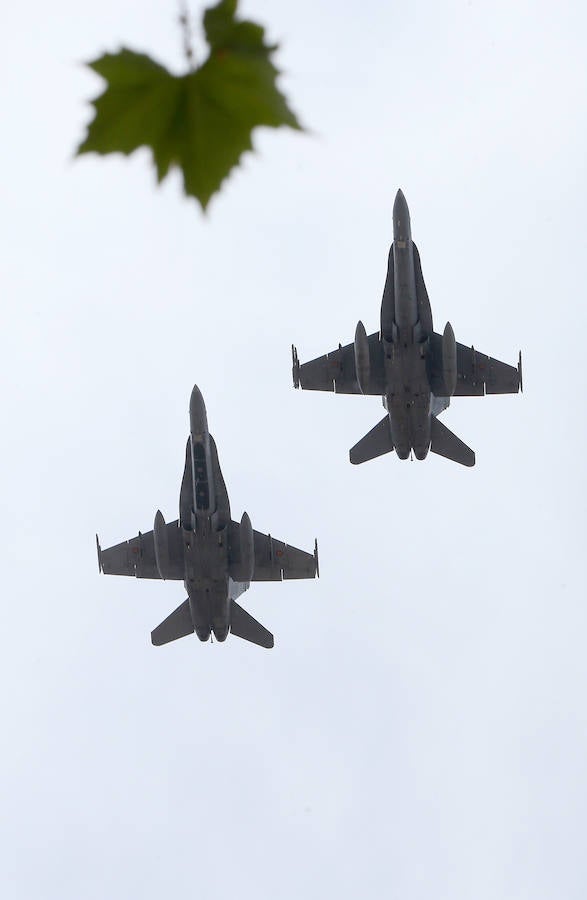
(187,34)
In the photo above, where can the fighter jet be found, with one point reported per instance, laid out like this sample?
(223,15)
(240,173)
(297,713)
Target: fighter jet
(214,556)
(415,370)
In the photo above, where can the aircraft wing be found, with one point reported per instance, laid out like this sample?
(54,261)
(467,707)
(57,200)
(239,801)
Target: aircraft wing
(276,560)
(137,556)
(477,373)
(335,371)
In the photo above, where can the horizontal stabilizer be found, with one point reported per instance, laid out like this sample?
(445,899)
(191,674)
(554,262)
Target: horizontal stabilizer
(244,626)
(377,442)
(179,624)
(447,444)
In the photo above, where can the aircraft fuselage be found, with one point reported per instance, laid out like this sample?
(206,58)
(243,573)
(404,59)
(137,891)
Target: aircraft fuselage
(204,517)
(404,340)
(412,368)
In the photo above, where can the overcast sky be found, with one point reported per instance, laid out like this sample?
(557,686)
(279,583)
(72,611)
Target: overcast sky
(420,729)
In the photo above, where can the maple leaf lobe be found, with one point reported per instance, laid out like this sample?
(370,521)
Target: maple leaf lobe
(200,122)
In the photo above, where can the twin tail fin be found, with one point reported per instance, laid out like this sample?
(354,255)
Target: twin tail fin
(179,624)
(443,442)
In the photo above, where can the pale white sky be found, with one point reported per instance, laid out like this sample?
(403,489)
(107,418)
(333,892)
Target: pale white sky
(420,728)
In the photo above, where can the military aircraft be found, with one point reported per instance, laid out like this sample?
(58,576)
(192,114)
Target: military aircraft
(215,557)
(415,370)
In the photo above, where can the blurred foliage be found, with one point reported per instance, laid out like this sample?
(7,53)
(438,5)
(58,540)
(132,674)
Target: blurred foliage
(200,122)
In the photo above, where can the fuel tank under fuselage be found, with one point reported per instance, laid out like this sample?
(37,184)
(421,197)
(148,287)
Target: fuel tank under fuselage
(404,340)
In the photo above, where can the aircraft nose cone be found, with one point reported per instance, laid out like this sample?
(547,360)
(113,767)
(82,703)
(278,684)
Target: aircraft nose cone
(401,217)
(400,207)
(198,419)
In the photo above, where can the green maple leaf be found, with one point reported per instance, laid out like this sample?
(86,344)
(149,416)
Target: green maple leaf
(200,122)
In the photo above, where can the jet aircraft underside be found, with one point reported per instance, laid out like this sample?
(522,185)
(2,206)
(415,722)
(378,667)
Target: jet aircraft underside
(412,368)
(216,557)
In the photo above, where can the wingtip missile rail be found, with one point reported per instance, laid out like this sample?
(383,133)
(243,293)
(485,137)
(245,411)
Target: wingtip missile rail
(99,549)
(295,366)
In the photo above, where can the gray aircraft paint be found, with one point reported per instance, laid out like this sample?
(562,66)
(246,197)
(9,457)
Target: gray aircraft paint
(414,370)
(451,729)
(215,557)
(407,397)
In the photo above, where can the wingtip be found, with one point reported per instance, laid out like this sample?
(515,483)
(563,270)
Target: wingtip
(316,558)
(295,365)
(520,374)
(99,550)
